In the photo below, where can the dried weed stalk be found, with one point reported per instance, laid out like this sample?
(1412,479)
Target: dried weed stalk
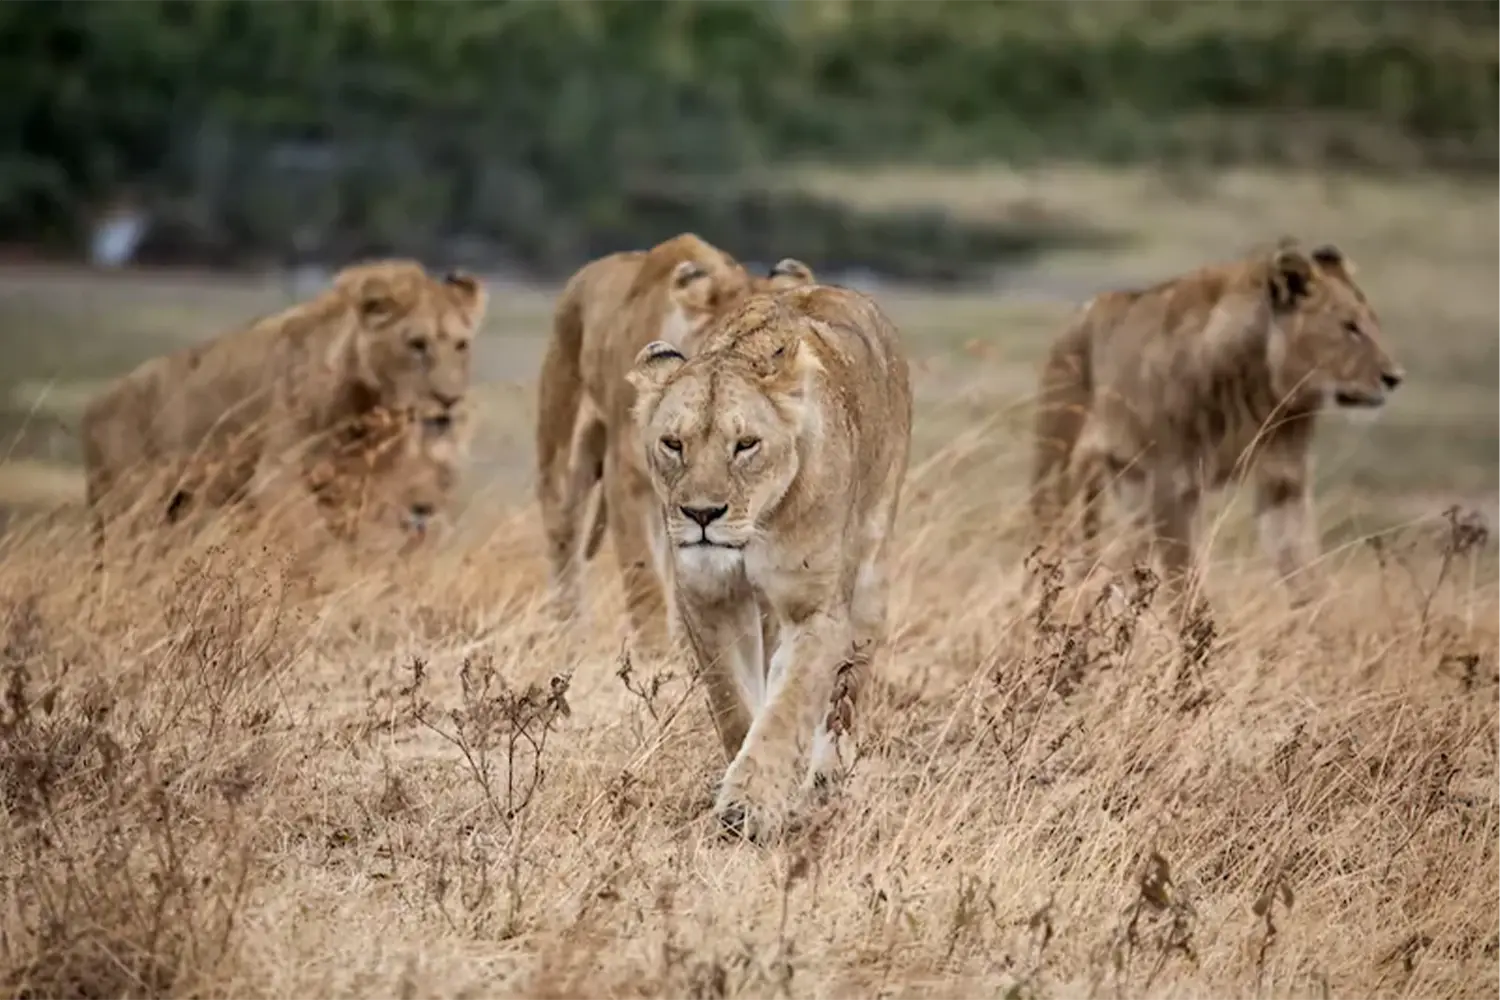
(501,733)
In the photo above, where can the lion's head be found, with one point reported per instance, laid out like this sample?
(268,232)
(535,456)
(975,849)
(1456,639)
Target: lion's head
(426,471)
(720,436)
(1325,338)
(396,468)
(413,332)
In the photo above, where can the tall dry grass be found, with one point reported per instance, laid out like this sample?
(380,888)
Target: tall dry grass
(228,772)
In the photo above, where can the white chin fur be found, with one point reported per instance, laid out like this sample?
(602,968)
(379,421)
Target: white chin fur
(708,569)
(1359,416)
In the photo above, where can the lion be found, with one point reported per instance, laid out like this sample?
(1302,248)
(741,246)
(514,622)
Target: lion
(1210,378)
(396,469)
(607,312)
(218,421)
(777,455)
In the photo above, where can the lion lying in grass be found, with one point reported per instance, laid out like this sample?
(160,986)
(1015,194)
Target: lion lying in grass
(232,416)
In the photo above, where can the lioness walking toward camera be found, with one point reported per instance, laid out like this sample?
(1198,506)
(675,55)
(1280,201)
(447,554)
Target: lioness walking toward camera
(254,408)
(1219,374)
(608,311)
(777,455)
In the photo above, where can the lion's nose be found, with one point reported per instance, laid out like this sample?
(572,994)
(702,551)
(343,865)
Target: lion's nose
(703,515)
(1392,379)
(438,423)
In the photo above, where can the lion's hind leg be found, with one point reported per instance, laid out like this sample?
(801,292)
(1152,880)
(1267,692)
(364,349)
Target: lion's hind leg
(561,516)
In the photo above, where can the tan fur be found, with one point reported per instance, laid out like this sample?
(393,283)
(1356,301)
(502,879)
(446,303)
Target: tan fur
(607,312)
(220,418)
(396,469)
(777,455)
(1165,393)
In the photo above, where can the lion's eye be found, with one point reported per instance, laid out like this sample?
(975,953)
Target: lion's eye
(438,424)
(1352,329)
(672,445)
(418,345)
(746,444)
(461,346)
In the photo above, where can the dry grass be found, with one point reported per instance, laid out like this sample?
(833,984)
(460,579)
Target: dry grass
(228,772)
(217,780)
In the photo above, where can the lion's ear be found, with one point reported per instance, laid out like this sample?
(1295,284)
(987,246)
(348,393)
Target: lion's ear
(655,363)
(790,272)
(471,294)
(377,303)
(1291,275)
(687,272)
(1333,258)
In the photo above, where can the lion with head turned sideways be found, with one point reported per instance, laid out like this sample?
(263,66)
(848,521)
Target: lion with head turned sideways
(1161,394)
(608,311)
(777,454)
(250,410)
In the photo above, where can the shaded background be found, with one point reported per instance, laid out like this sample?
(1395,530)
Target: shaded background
(544,134)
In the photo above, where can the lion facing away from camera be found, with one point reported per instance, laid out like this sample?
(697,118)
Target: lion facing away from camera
(221,420)
(776,456)
(1161,394)
(608,311)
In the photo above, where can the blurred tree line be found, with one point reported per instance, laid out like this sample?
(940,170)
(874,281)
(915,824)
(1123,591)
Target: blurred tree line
(549,132)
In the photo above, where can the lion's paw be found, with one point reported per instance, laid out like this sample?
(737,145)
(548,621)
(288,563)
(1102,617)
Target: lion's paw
(752,808)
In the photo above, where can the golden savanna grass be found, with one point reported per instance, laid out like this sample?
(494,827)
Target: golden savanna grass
(228,771)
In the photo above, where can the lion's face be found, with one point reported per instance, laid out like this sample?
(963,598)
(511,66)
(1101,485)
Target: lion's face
(1326,340)
(427,470)
(414,333)
(720,440)
(699,291)
(402,472)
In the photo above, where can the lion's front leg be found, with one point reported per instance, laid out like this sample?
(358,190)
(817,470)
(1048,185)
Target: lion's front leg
(758,789)
(724,634)
(1174,513)
(1284,523)
(640,553)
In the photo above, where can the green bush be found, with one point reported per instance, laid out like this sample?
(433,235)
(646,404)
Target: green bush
(394,125)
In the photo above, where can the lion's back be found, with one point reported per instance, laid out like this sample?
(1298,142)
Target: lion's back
(1165,360)
(603,286)
(1167,321)
(863,358)
(196,399)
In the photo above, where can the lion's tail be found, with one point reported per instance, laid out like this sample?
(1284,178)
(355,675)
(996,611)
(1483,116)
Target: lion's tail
(1063,403)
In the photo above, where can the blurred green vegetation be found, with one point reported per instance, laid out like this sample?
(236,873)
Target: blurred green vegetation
(556,131)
